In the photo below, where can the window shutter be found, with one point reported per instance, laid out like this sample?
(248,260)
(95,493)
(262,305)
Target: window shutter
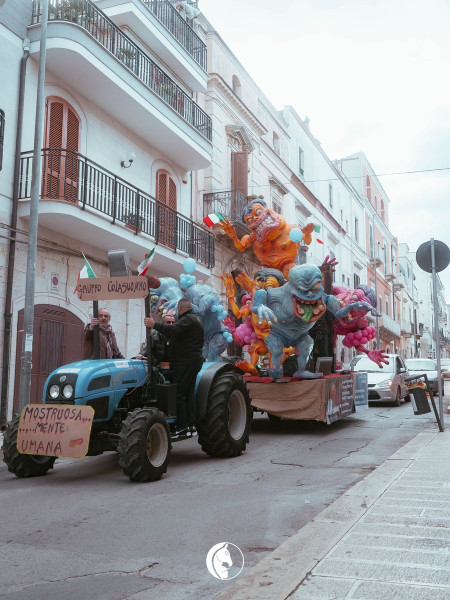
(60,165)
(166,195)
(239,172)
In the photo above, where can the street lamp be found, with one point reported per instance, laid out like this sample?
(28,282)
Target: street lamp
(373,261)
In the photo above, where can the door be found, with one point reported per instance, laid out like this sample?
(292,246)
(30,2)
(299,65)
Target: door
(239,183)
(60,160)
(57,340)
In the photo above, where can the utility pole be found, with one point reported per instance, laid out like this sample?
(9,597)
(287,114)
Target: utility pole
(27,345)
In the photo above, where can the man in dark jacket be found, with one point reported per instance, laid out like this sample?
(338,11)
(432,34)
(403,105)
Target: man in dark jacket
(160,343)
(186,341)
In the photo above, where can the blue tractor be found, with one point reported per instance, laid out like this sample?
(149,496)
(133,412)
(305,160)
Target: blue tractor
(135,414)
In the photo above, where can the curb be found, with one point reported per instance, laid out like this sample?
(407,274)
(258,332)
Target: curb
(280,573)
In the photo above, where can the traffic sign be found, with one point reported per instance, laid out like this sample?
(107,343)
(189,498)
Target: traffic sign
(441,256)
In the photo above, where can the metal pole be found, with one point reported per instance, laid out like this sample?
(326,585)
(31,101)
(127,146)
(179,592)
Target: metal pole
(377,325)
(27,345)
(436,330)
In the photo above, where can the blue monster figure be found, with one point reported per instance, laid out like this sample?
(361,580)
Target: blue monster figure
(291,310)
(206,304)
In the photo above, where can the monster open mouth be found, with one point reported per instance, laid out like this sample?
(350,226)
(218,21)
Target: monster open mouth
(308,310)
(266,221)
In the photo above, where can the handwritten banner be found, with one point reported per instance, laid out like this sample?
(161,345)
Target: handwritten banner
(55,430)
(112,288)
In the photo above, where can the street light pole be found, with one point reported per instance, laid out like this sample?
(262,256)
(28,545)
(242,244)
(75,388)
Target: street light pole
(27,344)
(377,326)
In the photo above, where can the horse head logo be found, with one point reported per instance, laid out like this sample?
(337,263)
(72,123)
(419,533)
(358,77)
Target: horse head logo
(219,561)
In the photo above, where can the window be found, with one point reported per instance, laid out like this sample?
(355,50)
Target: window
(356,230)
(356,280)
(382,210)
(386,301)
(371,241)
(368,190)
(301,169)
(385,256)
(330,195)
(276,143)
(60,161)
(276,206)
(2,135)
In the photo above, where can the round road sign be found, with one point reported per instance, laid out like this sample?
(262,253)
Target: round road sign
(441,256)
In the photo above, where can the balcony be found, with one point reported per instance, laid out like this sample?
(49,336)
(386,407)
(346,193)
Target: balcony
(230,204)
(376,261)
(89,53)
(160,27)
(80,198)
(406,329)
(390,326)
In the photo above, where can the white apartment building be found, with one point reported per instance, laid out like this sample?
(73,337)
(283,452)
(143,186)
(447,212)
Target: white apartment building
(123,131)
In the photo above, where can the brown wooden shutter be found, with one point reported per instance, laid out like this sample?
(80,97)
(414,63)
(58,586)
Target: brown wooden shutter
(60,166)
(166,195)
(239,172)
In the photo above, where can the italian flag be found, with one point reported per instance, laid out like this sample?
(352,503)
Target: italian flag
(213,219)
(142,268)
(86,273)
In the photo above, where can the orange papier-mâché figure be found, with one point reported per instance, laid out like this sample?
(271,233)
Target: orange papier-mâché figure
(269,236)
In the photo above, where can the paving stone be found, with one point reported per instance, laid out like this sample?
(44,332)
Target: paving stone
(368,590)
(382,572)
(323,588)
(391,556)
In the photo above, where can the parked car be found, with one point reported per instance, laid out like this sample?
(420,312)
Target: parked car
(445,367)
(416,366)
(386,383)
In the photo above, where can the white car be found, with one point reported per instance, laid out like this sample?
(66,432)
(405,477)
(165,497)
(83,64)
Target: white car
(445,367)
(386,383)
(428,366)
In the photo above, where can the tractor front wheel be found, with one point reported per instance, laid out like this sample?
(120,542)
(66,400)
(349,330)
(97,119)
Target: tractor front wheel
(144,445)
(23,465)
(224,430)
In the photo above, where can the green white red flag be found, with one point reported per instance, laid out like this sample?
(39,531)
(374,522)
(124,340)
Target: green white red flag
(213,219)
(142,268)
(86,272)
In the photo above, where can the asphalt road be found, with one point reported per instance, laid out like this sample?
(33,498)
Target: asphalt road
(85,531)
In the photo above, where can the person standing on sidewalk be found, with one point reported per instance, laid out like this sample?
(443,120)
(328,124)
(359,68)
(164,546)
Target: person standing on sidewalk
(186,339)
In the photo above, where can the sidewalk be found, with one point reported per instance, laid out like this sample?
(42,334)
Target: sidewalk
(388,537)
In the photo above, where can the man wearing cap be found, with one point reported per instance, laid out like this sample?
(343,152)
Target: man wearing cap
(186,341)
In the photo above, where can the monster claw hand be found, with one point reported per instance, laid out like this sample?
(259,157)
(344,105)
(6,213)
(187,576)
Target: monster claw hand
(228,228)
(230,287)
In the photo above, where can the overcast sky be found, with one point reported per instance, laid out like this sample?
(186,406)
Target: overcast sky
(372,76)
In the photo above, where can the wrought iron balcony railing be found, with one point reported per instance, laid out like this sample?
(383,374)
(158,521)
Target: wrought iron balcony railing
(71,177)
(89,17)
(230,204)
(165,12)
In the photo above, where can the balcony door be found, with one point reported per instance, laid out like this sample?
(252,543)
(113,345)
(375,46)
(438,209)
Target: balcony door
(60,160)
(166,209)
(239,182)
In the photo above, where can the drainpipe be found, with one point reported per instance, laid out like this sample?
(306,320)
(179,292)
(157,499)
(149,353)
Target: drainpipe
(12,241)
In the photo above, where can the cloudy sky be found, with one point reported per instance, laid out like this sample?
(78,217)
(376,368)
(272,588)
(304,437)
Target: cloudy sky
(372,76)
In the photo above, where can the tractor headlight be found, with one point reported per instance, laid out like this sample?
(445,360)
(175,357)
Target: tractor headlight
(53,392)
(67,391)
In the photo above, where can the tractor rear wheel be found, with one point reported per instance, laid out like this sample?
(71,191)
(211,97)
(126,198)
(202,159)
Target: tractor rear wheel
(224,430)
(144,445)
(23,465)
